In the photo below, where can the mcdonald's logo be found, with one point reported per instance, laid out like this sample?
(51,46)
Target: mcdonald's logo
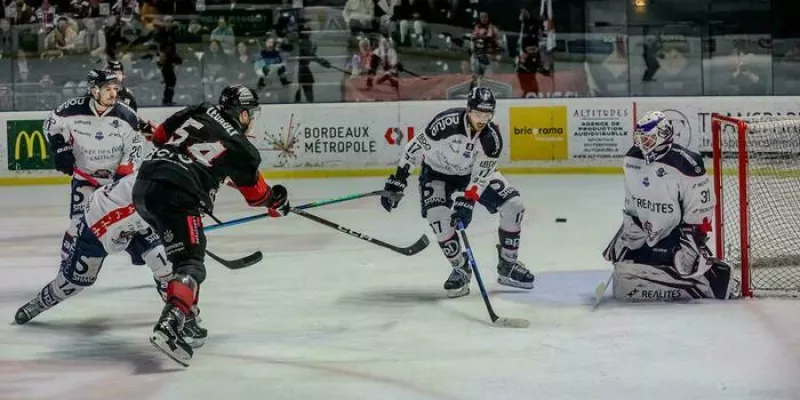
(30,141)
(26,146)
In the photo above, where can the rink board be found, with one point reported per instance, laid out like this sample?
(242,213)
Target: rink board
(541,136)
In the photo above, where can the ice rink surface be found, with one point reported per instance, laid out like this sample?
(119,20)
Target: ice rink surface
(326,316)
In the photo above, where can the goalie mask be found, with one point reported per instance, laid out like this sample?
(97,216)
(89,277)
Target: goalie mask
(652,135)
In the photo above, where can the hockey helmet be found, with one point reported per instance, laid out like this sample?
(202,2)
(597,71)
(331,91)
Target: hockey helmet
(99,78)
(114,66)
(237,98)
(652,134)
(481,99)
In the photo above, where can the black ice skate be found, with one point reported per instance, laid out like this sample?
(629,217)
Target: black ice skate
(29,311)
(513,273)
(192,333)
(166,338)
(457,284)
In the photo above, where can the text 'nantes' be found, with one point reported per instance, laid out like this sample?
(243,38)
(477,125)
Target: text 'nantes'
(338,139)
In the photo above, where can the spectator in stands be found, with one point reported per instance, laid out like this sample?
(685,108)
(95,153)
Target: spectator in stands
(307,52)
(386,57)
(223,33)
(409,16)
(20,13)
(6,41)
(360,15)
(92,40)
(271,63)
(168,57)
(485,47)
(63,38)
(215,60)
(21,70)
(362,62)
(45,14)
(243,64)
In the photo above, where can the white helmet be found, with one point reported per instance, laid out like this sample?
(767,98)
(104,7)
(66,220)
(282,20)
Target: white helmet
(652,135)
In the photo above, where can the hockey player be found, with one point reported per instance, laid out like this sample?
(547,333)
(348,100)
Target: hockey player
(199,147)
(109,225)
(93,136)
(458,152)
(125,95)
(660,252)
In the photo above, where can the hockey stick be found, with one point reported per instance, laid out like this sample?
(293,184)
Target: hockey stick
(238,263)
(600,291)
(300,207)
(411,250)
(496,320)
(86,177)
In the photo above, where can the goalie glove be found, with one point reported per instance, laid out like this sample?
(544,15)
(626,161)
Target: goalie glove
(693,257)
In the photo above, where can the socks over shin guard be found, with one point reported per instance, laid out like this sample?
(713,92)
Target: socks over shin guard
(181,295)
(452,250)
(509,244)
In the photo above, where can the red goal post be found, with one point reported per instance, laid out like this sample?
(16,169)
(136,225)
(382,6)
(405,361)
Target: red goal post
(756,171)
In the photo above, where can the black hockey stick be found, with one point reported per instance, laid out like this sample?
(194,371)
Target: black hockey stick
(415,248)
(496,320)
(238,263)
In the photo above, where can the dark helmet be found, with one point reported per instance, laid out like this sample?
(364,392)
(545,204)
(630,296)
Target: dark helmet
(237,98)
(99,78)
(481,99)
(114,66)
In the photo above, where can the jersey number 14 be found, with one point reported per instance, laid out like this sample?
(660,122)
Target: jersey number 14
(205,153)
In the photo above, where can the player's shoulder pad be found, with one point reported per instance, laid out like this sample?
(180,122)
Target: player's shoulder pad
(125,113)
(75,106)
(684,160)
(446,123)
(491,140)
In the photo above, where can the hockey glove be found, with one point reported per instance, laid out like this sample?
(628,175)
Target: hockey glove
(278,203)
(462,211)
(395,185)
(63,158)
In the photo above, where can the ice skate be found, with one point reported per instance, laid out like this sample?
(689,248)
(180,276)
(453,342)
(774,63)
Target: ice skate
(513,274)
(193,334)
(166,338)
(29,311)
(457,284)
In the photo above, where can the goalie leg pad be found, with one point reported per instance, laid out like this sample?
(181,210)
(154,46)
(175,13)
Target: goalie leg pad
(641,282)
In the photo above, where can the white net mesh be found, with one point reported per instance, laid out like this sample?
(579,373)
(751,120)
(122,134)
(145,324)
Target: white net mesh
(773,201)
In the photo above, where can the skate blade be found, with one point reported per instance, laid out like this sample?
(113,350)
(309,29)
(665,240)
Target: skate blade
(503,322)
(160,342)
(460,292)
(515,284)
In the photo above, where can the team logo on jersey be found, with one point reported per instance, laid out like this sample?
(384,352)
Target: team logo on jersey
(115,123)
(646,181)
(99,135)
(660,172)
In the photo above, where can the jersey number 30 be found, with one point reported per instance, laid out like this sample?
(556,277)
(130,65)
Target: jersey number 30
(204,153)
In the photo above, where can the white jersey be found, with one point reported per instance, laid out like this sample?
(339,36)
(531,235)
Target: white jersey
(111,216)
(100,143)
(670,191)
(445,146)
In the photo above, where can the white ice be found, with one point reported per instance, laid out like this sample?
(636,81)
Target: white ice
(326,316)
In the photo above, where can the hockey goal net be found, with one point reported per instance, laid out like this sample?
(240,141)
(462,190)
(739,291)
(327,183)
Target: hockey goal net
(757,218)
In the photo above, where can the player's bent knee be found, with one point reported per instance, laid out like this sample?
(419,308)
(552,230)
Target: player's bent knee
(82,270)
(192,268)
(439,221)
(512,212)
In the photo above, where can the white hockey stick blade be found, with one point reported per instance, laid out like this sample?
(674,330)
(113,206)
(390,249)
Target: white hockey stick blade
(511,323)
(600,291)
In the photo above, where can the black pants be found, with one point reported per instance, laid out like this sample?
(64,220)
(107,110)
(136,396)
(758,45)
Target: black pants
(170,80)
(175,216)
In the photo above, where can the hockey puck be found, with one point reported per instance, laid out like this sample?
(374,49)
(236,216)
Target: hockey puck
(561,220)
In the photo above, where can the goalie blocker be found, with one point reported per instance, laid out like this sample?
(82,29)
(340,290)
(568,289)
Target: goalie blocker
(660,252)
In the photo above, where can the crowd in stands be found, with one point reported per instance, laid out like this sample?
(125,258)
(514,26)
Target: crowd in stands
(184,51)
